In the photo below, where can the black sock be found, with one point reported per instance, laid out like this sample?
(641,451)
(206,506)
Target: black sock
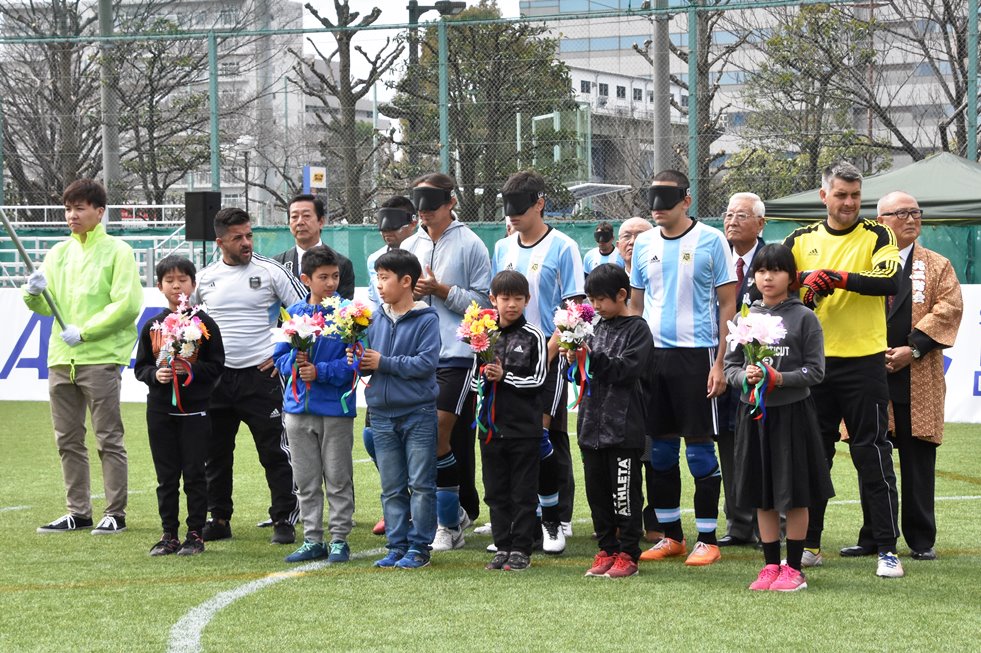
(707,490)
(667,498)
(771,552)
(795,551)
(673,530)
(447,471)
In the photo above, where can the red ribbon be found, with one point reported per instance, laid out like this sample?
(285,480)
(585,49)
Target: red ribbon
(184,364)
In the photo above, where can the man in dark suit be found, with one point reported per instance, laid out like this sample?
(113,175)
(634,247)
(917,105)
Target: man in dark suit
(307,217)
(743,223)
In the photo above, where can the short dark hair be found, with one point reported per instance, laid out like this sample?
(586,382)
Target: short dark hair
(775,257)
(511,283)
(436,179)
(399,202)
(229,217)
(174,262)
(318,204)
(842,170)
(525,181)
(400,263)
(607,280)
(317,257)
(85,190)
(674,177)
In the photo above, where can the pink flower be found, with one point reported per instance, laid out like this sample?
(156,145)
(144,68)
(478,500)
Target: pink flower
(479,342)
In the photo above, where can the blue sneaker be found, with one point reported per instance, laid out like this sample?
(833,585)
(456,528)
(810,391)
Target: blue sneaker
(339,551)
(390,560)
(413,559)
(308,551)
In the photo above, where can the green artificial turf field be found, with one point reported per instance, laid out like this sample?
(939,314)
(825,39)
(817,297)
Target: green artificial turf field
(76,592)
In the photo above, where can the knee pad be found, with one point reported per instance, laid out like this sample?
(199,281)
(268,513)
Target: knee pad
(546,449)
(664,454)
(448,508)
(368,436)
(701,458)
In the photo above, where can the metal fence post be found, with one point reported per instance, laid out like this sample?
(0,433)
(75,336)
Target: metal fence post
(444,99)
(213,101)
(972,80)
(693,153)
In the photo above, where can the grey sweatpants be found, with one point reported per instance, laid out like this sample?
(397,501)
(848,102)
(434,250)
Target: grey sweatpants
(320,452)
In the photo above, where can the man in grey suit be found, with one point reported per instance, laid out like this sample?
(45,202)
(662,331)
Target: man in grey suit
(743,223)
(307,217)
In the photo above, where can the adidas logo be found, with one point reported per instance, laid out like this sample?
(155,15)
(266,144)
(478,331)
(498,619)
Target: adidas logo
(519,350)
(813,252)
(274,414)
(655,259)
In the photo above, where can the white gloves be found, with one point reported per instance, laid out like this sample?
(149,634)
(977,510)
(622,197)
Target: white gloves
(36,283)
(72,335)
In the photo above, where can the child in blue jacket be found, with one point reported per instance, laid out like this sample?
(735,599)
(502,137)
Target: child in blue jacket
(404,351)
(319,429)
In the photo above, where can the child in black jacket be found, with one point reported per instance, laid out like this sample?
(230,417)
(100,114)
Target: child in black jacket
(180,386)
(510,456)
(611,425)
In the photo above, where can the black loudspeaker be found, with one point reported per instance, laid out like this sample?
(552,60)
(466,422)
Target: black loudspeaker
(200,208)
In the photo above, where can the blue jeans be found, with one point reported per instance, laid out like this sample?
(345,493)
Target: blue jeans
(405,452)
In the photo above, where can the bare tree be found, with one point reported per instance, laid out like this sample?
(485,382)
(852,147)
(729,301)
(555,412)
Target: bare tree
(51,131)
(318,78)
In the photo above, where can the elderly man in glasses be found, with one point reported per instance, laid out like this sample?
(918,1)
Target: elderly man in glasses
(921,320)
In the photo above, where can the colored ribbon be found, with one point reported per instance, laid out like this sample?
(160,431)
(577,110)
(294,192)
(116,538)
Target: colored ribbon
(757,396)
(486,411)
(184,364)
(357,349)
(581,388)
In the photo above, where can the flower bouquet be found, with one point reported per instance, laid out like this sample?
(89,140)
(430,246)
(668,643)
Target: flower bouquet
(353,319)
(182,333)
(301,333)
(756,332)
(479,329)
(575,325)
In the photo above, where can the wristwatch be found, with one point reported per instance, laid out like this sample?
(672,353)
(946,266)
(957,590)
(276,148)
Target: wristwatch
(916,352)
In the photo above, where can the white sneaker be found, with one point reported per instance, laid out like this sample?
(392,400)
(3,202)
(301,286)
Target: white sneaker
(465,521)
(889,566)
(448,539)
(811,559)
(567,528)
(553,538)
(491,548)
(483,530)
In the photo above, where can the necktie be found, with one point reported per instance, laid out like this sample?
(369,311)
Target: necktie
(740,274)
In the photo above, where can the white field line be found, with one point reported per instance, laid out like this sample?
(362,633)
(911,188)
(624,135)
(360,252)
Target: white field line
(13,508)
(185,635)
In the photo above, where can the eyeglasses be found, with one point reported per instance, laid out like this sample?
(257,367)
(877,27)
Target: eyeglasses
(729,215)
(905,214)
(627,236)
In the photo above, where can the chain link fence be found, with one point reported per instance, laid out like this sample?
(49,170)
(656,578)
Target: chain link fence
(598,96)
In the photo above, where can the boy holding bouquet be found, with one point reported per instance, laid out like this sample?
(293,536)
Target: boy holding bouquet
(510,447)
(319,425)
(180,356)
(612,418)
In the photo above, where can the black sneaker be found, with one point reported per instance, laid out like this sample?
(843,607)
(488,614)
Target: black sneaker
(110,525)
(66,524)
(216,529)
(283,533)
(498,561)
(193,545)
(168,544)
(517,561)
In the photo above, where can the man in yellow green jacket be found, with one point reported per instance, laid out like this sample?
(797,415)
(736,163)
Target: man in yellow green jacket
(93,280)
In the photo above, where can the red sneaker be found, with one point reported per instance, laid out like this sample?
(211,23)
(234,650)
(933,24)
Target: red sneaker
(601,564)
(789,580)
(623,567)
(767,575)
(379,528)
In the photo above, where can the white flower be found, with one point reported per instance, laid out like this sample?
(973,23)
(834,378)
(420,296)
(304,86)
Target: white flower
(187,350)
(192,332)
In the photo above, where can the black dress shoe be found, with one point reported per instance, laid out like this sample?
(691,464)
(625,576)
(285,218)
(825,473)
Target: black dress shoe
(731,540)
(857,551)
(925,554)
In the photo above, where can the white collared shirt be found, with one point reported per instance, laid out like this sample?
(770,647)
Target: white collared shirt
(904,255)
(747,258)
(300,252)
